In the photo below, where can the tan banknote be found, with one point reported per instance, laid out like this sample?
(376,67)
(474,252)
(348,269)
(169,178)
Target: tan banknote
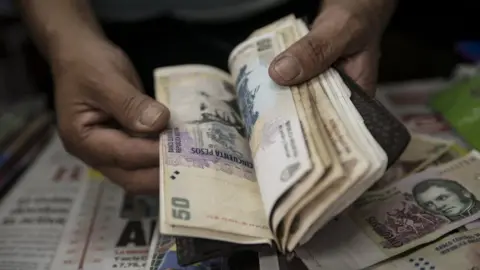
(371,152)
(455,151)
(387,222)
(457,251)
(318,204)
(320,140)
(422,151)
(320,147)
(473,225)
(323,159)
(208,184)
(319,144)
(276,139)
(309,199)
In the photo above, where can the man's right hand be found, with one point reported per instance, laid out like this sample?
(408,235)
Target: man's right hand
(100,105)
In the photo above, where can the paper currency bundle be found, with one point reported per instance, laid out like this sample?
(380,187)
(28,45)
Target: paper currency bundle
(393,221)
(248,161)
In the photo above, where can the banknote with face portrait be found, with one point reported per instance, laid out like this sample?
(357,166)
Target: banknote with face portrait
(384,223)
(456,251)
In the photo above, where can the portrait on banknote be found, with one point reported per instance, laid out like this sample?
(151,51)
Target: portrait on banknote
(446,197)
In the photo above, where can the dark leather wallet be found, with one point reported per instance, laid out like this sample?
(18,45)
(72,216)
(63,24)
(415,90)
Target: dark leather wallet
(388,131)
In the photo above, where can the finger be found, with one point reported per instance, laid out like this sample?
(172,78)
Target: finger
(313,53)
(133,109)
(144,181)
(363,69)
(110,147)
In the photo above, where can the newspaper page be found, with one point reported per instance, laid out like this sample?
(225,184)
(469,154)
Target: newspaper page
(33,214)
(108,230)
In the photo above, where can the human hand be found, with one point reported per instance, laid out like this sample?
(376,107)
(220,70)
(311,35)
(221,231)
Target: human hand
(347,32)
(100,105)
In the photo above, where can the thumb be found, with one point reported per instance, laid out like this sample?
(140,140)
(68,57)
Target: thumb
(137,111)
(312,54)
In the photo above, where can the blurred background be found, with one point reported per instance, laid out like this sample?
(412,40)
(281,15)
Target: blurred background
(424,39)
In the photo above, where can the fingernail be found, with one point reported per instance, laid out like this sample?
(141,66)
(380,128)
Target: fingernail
(288,67)
(151,114)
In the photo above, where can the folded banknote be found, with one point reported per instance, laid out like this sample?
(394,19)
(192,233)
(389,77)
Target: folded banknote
(398,218)
(250,162)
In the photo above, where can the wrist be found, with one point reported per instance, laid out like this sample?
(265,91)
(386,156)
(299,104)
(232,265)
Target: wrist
(59,26)
(72,48)
(67,42)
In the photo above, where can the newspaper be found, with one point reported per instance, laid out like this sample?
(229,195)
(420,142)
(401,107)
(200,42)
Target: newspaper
(33,214)
(64,215)
(108,230)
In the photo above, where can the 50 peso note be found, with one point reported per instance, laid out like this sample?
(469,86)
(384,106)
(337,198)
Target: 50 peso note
(207,157)
(208,187)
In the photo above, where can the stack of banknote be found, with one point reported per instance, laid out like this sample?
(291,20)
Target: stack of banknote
(248,161)
(423,214)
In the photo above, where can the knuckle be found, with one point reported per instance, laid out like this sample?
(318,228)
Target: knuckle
(96,81)
(353,24)
(132,104)
(347,17)
(316,50)
(122,159)
(356,26)
(129,104)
